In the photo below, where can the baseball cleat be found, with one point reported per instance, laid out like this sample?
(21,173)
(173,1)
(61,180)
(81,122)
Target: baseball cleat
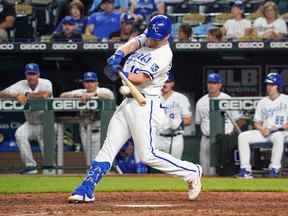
(82,194)
(195,186)
(29,170)
(244,174)
(273,173)
(76,198)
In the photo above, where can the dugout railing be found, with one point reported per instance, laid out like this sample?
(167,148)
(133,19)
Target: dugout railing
(53,152)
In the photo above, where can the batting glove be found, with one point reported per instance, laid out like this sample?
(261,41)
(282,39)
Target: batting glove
(116,58)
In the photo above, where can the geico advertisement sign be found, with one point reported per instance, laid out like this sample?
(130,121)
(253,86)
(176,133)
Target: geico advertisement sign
(89,46)
(7,46)
(238,104)
(188,45)
(36,46)
(251,45)
(10,105)
(220,45)
(74,105)
(65,46)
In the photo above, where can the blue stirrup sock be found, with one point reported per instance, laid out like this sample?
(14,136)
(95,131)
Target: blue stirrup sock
(95,173)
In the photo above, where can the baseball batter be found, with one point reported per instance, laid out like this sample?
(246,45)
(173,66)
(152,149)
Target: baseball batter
(178,114)
(202,118)
(32,87)
(90,90)
(147,68)
(271,114)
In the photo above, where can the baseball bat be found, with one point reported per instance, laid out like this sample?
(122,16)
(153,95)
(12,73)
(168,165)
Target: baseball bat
(134,91)
(227,114)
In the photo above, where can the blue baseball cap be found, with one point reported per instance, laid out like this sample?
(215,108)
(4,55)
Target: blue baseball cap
(238,3)
(90,76)
(214,78)
(127,18)
(69,20)
(171,77)
(32,68)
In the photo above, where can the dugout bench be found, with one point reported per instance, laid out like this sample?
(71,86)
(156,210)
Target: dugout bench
(51,164)
(224,148)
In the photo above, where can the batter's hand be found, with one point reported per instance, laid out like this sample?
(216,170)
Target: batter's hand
(116,58)
(21,98)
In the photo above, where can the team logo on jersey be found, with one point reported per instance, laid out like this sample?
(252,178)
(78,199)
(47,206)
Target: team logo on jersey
(154,67)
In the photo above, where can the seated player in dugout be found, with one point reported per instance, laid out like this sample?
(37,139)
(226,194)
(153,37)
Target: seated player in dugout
(271,124)
(69,32)
(178,114)
(214,86)
(33,87)
(90,90)
(127,160)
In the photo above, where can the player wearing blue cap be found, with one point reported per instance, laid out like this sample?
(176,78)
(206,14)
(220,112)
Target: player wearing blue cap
(32,87)
(68,32)
(214,86)
(147,68)
(271,124)
(90,118)
(178,114)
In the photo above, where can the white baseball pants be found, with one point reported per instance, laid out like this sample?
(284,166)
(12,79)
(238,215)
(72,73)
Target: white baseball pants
(253,136)
(141,123)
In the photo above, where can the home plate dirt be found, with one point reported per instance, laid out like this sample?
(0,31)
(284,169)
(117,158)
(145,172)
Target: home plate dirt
(148,204)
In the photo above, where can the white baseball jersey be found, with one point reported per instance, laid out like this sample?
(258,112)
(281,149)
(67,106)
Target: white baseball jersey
(141,122)
(202,114)
(262,27)
(176,106)
(146,60)
(23,87)
(273,113)
(236,28)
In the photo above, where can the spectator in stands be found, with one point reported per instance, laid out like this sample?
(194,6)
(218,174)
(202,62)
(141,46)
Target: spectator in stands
(271,25)
(69,31)
(103,24)
(7,19)
(184,33)
(238,26)
(121,5)
(143,9)
(215,35)
(127,27)
(76,10)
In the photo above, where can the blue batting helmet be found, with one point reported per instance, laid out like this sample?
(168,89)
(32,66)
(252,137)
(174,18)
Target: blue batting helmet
(214,78)
(159,27)
(32,68)
(90,76)
(274,79)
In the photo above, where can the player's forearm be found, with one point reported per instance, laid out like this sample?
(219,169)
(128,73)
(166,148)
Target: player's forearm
(6,94)
(130,46)
(187,120)
(40,94)
(258,125)
(68,95)
(138,79)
